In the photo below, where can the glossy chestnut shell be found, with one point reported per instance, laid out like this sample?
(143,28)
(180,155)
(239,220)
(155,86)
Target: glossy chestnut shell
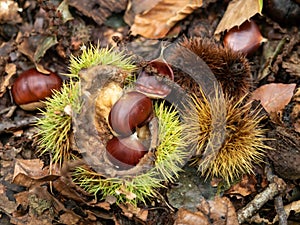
(127,150)
(246,38)
(132,110)
(33,86)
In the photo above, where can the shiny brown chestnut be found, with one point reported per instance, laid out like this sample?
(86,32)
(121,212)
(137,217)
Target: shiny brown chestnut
(132,110)
(125,152)
(245,38)
(32,86)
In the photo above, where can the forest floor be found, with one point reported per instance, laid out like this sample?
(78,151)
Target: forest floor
(44,34)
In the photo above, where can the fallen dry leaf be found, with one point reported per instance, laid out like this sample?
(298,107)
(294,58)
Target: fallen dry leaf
(158,21)
(237,12)
(274,97)
(41,206)
(35,47)
(31,171)
(245,187)
(69,218)
(10,70)
(292,65)
(67,188)
(9,12)
(135,7)
(292,112)
(98,10)
(5,204)
(219,210)
(186,217)
(130,210)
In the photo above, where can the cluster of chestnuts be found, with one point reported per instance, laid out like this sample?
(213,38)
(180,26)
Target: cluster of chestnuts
(130,116)
(127,116)
(32,86)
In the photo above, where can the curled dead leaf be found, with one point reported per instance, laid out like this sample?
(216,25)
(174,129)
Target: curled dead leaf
(9,12)
(31,171)
(10,70)
(158,21)
(220,211)
(237,12)
(274,97)
(135,7)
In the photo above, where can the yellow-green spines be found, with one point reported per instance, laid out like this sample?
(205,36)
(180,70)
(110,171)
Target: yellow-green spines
(100,56)
(243,145)
(170,153)
(55,125)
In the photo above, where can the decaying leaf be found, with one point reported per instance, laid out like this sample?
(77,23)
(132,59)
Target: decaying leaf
(187,217)
(245,187)
(274,97)
(10,70)
(67,188)
(5,204)
(237,12)
(69,218)
(285,156)
(135,7)
(130,211)
(98,10)
(35,47)
(292,65)
(31,171)
(41,206)
(158,21)
(9,12)
(63,8)
(219,210)
(296,111)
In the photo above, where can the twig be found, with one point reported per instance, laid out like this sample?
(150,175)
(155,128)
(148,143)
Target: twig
(9,126)
(276,186)
(260,199)
(282,217)
(11,111)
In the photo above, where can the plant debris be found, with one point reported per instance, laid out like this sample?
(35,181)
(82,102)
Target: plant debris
(44,176)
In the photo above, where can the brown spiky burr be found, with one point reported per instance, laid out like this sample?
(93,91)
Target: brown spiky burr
(244,138)
(231,68)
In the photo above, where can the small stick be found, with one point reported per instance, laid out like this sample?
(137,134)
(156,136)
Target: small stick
(282,216)
(9,126)
(276,186)
(260,199)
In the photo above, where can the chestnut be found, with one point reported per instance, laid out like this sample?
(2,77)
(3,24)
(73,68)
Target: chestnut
(246,38)
(125,152)
(32,86)
(132,110)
